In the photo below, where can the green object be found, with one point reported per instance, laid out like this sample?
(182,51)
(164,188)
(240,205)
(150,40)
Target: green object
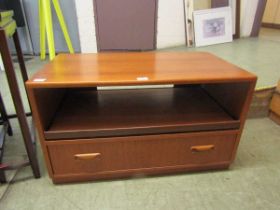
(10,28)
(47,22)
(6,14)
(46,27)
(4,21)
(7,23)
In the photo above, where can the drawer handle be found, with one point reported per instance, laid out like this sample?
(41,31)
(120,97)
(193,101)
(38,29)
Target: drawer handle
(202,148)
(86,156)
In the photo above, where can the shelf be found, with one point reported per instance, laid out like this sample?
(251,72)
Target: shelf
(86,113)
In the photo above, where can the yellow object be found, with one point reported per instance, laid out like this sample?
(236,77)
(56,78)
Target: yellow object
(46,27)
(265,88)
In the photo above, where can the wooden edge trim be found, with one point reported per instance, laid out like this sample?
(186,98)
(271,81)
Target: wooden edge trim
(55,135)
(127,138)
(39,127)
(243,117)
(133,172)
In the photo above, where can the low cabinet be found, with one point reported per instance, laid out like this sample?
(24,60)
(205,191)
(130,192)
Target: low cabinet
(162,113)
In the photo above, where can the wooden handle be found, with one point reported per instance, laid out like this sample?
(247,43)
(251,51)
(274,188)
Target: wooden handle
(86,156)
(202,148)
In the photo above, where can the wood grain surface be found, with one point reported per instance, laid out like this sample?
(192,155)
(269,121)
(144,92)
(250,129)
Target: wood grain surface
(140,152)
(130,131)
(136,68)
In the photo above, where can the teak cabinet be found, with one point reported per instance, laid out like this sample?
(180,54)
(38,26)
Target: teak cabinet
(89,133)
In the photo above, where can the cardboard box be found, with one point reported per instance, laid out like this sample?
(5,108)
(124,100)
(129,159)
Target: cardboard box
(275,103)
(260,103)
(274,117)
(278,87)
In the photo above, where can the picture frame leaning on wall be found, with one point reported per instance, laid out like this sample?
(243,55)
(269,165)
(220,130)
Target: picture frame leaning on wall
(212,26)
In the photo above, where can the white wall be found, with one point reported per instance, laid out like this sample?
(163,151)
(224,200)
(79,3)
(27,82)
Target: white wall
(171,24)
(86,25)
(247,13)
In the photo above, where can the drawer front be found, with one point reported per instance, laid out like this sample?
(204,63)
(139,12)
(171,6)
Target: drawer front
(140,152)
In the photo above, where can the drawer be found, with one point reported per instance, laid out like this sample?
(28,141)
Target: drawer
(140,152)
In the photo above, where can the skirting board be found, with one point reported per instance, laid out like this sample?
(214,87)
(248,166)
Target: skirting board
(271,25)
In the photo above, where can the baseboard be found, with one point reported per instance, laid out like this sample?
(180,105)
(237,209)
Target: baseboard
(271,25)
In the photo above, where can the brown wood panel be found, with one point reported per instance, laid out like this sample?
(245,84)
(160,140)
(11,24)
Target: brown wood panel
(231,96)
(271,25)
(219,3)
(86,113)
(140,152)
(48,101)
(143,172)
(243,114)
(237,19)
(125,24)
(80,70)
(37,117)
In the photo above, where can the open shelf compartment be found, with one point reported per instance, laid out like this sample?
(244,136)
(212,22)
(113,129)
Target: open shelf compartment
(88,113)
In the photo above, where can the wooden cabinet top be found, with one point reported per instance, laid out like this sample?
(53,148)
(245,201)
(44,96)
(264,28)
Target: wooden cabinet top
(136,68)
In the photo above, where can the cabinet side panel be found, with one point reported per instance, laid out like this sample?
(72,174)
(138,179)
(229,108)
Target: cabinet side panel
(231,96)
(47,102)
(39,113)
(235,98)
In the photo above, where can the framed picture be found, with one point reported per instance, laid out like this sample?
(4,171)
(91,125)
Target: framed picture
(212,26)
(236,9)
